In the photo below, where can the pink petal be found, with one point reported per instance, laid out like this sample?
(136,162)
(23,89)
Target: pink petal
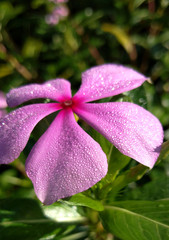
(2,113)
(16,127)
(65,160)
(57,90)
(107,80)
(3,103)
(133,130)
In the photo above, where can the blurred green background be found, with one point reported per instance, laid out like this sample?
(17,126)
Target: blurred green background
(134,33)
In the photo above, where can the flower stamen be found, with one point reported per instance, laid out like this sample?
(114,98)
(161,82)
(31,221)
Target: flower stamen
(67,103)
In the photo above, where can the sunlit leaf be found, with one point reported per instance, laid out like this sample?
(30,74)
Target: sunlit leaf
(62,212)
(82,200)
(32,47)
(27,219)
(7,11)
(120,34)
(5,70)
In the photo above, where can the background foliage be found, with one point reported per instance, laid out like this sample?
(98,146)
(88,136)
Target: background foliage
(131,32)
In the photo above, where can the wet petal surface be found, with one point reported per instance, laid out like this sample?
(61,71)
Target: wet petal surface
(16,127)
(133,130)
(65,160)
(107,80)
(2,113)
(57,90)
(3,103)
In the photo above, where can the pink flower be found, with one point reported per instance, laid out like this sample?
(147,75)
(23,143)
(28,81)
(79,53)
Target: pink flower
(58,13)
(3,104)
(58,1)
(61,11)
(66,160)
(52,19)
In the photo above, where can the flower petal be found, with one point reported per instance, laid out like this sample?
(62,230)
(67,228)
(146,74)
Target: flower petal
(3,103)
(57,90)
(16,127)
(2,113)
(132,129)
(65,160)
(107,80)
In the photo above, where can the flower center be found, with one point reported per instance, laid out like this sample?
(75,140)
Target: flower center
(67,103)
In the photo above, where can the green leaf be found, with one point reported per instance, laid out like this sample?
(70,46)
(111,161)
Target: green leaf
(154,186)
(8,12)
(23,219)
(156,189)
(122,37)
(65,213)
(81,200)
(164,151)
(5,70)
(117,161)
(138,96)
(131,220)
(104,143)
(27,219)
(32,47)
(125,178)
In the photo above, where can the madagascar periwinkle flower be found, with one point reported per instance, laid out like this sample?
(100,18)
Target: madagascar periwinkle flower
(59,13)
(66,160)
(59,1)
(3,104)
